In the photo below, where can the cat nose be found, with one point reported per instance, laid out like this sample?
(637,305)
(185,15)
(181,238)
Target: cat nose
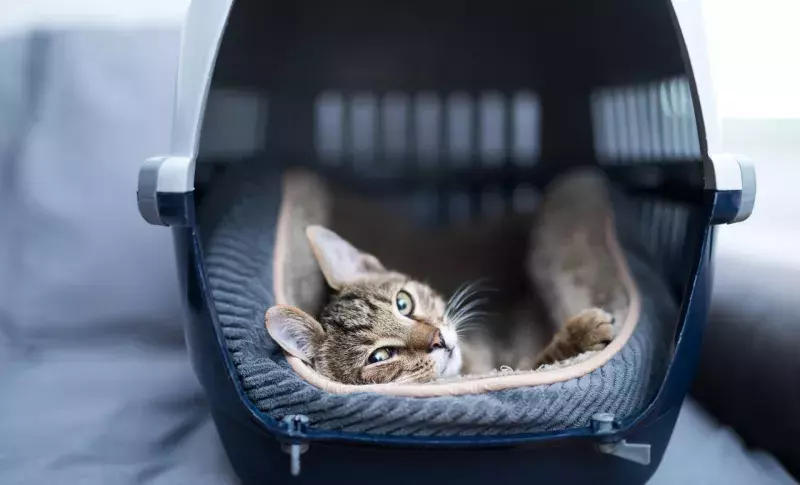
(437,341)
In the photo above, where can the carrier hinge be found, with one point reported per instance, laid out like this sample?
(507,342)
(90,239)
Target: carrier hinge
(294,445)
(603,424)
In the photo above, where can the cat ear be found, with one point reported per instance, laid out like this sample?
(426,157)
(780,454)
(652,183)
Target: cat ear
(341,263)
(295,331)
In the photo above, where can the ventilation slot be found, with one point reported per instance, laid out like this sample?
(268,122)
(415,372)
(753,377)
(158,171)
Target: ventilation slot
(492,134)
(654,122)
(662,228)
(461,128)
(524,199)
(395,121)
(428,128)
(493,203)
(455,131)
(526,128)
(363,124)
(459,207)
(329,129)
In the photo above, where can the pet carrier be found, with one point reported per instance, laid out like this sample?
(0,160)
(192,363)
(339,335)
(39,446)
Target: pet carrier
(437,117)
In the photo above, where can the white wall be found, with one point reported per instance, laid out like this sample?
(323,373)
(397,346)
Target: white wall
(754,47)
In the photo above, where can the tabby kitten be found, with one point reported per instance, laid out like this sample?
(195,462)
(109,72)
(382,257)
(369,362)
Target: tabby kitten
(382,326)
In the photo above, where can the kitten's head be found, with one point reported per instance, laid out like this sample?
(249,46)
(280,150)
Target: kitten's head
(379,326)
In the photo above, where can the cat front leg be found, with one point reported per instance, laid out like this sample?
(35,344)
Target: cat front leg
(591,329)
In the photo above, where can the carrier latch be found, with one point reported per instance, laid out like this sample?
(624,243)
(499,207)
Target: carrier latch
(296,425)
(733,178)
(164,183)
(603,423)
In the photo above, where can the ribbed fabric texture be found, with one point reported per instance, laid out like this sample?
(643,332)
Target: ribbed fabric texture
(238,258)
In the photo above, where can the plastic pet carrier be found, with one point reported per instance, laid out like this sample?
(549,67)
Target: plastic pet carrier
(412,128)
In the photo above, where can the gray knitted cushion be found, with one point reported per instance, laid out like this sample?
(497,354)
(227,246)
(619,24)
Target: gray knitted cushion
(239,222)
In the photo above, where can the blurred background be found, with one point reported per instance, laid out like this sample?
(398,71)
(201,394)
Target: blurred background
(95,385)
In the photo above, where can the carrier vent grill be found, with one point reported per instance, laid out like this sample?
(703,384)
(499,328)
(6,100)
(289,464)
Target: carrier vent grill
(654,121)
(493,132)
(663,231)
(382,131)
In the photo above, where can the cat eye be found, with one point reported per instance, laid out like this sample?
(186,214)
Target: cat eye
(404,303)
(381,354)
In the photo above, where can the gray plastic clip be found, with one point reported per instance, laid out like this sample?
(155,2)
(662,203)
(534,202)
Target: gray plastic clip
(160,175)
(635,452)
(147,191)
(603,423)
(296,423)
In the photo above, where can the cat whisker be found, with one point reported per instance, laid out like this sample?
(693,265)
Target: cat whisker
(464,306)
(463,309)
(468,330)
(474,315)
(464,293)
(471,322)
(467,313)
(471,306)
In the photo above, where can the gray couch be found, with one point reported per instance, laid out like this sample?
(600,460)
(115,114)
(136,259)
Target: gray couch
(95,385)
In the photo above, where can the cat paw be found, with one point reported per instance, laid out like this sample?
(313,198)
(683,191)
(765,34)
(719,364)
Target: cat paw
(591,329)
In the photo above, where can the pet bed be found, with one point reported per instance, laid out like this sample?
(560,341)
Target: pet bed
(583,252)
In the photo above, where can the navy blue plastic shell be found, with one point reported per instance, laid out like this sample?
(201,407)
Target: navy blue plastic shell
(252,438)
